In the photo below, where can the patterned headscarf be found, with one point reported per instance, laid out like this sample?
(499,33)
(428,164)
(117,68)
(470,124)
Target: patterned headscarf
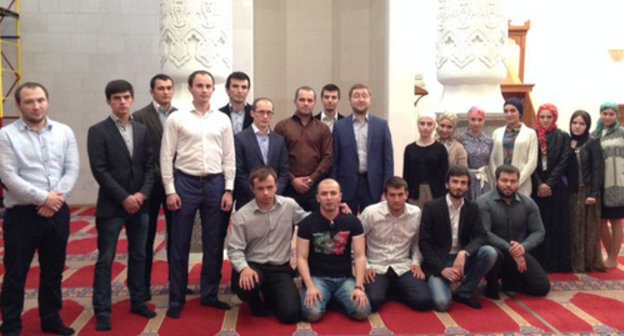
(476,110)
(600,126)
(541,131)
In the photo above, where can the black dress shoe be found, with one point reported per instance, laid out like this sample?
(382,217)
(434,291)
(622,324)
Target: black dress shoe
(57,327)
(467,300)
(174,312)
(216,303)
(492,292)
(102,322)
(144,311)
(188,291)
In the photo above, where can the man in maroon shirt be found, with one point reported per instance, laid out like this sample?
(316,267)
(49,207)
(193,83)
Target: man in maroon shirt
(309,143)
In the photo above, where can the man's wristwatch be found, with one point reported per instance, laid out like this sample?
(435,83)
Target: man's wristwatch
(310,182)
(358,287)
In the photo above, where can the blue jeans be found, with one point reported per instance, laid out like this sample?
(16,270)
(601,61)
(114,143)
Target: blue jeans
(338,288)
(477,265)
(203,194)
(107,235)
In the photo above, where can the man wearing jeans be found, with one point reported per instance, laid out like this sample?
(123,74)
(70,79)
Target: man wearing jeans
(120,154)
(451,242)
(324,247)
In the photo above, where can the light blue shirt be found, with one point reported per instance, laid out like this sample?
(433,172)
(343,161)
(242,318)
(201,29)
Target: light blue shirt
(162,113)
(263,142)
(35,163)
(360,129)
(238,119)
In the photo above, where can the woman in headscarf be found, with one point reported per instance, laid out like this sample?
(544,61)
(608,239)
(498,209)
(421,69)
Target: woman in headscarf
(550,190)
(446,135)
(585,180)
(478,148)
(515,144)
(611,138)
(425,163)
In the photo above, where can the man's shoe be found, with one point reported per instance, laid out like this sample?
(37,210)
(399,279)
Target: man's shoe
(491,291)
(188,291)
(102,322)
(174,312)
(216,303)
(467,300)
(57,327)
(143,310)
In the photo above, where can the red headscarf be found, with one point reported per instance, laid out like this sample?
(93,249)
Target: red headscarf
(541,131)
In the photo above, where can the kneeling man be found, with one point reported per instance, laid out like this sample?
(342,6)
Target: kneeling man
(451,241)
(324,257)
(392,253)
(259,248)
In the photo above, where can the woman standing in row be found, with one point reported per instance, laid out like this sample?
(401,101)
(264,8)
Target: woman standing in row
(425,163)
(611,138)
(478,148)
(585,180)
(515,144)
(550,192)
(446,135)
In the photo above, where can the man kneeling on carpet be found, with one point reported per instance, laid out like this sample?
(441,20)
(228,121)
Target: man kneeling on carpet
(259,245)
(324,257)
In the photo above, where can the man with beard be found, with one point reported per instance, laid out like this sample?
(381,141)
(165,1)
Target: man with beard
(451,242)
(363,158)
(330,97)
(514,227)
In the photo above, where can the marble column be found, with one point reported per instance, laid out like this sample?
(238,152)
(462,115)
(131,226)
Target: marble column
(471,37)
(195,35)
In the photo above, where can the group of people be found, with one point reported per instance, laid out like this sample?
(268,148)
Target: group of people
(467,207)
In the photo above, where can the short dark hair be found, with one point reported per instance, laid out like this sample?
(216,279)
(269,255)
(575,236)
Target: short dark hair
(330,87)
(237,75)
(191,77)
(257,100)
(508,169)
(161,77)
(457,170)
(304,88)
(261,173)
(395,182)
(118,86)
(29,85)
(358,86)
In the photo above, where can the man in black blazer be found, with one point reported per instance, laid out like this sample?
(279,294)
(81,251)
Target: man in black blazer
(452,242)
(120,155)
(330,97)
(153,116)
(259,146)
(237,86)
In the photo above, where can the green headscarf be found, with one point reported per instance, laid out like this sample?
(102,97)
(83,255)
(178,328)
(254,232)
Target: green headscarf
(600,125)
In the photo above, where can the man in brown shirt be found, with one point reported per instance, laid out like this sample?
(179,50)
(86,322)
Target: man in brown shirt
(309,143)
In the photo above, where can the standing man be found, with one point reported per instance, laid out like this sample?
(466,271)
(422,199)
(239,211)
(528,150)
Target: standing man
(201,177)
(330,97)
(309,143)
(325,243)
(452,242)
(363,158)
(259,248)
(38,167)
(237,86)
(120,154)
(392,254)
(514,227)
(258,146)
(153,116)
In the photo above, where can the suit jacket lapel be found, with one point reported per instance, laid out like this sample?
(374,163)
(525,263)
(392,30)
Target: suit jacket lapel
(254,143)
(154,120)
(116,136)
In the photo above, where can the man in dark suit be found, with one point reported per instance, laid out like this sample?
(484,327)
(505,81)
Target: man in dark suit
(330,97)
(237,86)
(452,242)
(120,154)
(153,116)
(363,157)
(258,146)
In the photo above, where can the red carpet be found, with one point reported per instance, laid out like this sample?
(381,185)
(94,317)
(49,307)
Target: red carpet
(578,303)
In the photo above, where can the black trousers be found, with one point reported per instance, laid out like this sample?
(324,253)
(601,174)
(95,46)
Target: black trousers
(533,281)
(156,199)
(25,232)
(278,288)
(307,201)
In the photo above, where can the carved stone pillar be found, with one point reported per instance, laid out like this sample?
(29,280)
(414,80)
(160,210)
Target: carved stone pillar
(195,35)
(471,37)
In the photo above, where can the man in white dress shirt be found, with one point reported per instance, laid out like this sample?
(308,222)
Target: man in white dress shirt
(201,178)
